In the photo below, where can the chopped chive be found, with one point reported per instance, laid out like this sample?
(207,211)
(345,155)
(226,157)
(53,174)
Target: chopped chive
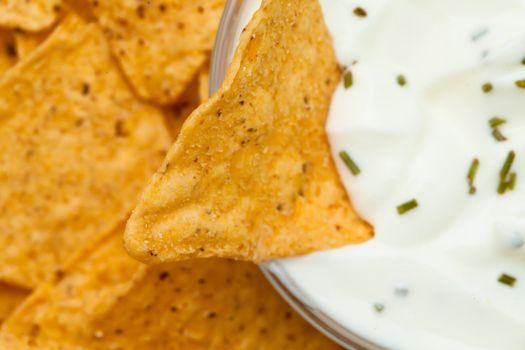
(512,181)
(487,87)
(504,172)
(507,279)
(497,121)
(472,174)
(498,135)
(379,307)
(502,186)
(360,12)
(407,206)
(348,79)
(350,164)
(520,83)
(401,80)
(507,165)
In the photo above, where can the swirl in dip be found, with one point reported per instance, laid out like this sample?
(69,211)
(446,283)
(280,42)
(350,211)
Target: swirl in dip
(427,128)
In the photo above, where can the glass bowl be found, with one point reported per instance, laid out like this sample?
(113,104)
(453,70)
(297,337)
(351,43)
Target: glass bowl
(225,42)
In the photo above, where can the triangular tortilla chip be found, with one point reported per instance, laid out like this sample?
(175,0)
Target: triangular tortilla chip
(8,52)
(160,44)
(106,300)
(30,15)
(76,147)
(251,175)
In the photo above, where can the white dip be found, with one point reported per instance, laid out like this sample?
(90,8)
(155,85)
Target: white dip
(432,271)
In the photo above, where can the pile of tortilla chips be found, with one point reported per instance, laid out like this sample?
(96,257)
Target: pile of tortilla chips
(92,94)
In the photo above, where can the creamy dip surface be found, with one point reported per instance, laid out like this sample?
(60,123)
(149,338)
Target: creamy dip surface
(425,79)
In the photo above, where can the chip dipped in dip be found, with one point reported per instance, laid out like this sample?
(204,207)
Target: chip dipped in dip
(427,128)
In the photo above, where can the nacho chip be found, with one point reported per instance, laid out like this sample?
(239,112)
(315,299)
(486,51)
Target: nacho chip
(250,176)
(10,298)
(106,300)
(27,42)
(160,44)
(8,52)
(76,147)
(31,15)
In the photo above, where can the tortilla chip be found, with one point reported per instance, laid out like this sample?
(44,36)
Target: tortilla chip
(8,52)
(76,147)
(204,82)
(31,15)
(10,298)
(160,44)
(251,176)
(26,42)
(106,300)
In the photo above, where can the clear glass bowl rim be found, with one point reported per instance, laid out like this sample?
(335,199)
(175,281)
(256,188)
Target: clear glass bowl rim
(221,55)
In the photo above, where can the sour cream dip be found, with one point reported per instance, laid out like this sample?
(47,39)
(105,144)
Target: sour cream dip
(427,129)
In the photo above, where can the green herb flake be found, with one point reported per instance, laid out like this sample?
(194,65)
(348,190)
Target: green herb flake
(349,162)
(360,12)
(348,79)
(471,175)
(401,80)
(507,165)
(497,121)
(487,87)
(498,136)
(520,83)
(512,181)
(502,186)
(407,206)
(505,184)
(507,280)
(379,307)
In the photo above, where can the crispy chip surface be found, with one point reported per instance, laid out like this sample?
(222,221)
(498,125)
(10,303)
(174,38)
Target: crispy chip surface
(10,298)
(160,44)
(251,175)
(76,147)
(30,15)
(8,52)
(106,300)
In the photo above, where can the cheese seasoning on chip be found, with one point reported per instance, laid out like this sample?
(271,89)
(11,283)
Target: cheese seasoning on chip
(160,45)
(76,147)
(32,15)
(251,176)
(106,300)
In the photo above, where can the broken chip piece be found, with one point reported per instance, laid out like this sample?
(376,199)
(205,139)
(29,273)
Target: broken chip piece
(160,45)
(76,147)
(106,300)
